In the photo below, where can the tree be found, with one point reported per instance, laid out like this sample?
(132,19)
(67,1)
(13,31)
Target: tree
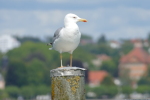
(102,39)
(28,92)
(145,80)
(12,91)
(31,62)
(143,89)
(126,47)
(36,72)
(110,67)
(24,39)
(104,91)
(16,74)
(124,77)
(148,38)
(3,94)
(86,37)
(108,80)
(127,90)
(42,90)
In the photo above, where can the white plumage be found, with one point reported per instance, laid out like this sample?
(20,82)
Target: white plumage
(67,38)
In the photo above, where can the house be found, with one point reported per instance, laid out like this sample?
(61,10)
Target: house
(134,64)
(137,42)
(96,77)
(99,59)
(7,43)
(140,43)
(114,44)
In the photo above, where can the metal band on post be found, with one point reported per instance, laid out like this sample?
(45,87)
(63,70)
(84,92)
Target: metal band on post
(67,83)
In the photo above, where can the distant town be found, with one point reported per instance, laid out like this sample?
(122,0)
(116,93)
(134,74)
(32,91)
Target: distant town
(122,65)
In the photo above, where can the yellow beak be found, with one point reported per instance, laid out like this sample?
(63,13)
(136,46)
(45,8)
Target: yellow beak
(82,20)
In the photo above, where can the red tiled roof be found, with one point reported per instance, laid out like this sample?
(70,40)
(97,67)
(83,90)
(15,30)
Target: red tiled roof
(136,55)
(97,76)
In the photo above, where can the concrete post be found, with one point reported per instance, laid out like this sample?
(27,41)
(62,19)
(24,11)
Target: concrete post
(67,83)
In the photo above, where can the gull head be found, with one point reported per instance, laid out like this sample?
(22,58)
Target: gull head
(72,18)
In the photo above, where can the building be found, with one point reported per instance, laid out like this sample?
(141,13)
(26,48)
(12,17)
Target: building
(140,43)
(96,77)
(134,64)
(99,59)
(114,44)
(137,42)
(7,43)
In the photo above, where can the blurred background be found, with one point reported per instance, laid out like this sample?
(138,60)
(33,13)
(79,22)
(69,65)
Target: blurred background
(114,48)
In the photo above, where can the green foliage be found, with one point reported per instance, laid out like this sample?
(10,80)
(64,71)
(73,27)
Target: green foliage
(102,39)
(86,37)
(126,46)
(24,39)
(36,72)
(27,92)
(124,77)
(100,49)
(13,91)
(29,67)
(42,90)
(110,67)
(127,90)
(148,37)
(145,80)
(104,90)
(31,91)
(143,89)
(16,74)
(108,80)
(31,62)
(3,95)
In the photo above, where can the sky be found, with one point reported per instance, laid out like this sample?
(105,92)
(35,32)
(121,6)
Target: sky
(116,19)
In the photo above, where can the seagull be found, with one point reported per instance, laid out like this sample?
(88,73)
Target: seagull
(67,38)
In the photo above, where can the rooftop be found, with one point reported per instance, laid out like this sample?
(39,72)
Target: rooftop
(97,76)
(138,54)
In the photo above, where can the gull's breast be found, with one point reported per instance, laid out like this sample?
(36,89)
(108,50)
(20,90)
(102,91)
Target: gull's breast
(67,42)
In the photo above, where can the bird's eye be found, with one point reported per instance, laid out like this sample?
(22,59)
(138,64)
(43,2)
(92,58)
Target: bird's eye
(74,17)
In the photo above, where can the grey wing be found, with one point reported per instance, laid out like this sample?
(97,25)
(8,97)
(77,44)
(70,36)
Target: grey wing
(56,34)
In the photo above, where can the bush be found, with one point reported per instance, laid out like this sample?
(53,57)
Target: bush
(42,90)
(103,90)
(12,91)
(28,92)
(127,90)
(143,89)
(3,95)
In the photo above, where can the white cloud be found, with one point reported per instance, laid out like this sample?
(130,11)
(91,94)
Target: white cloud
(76,2)
(47,17)
(114,22)
(50,1)
(18,32)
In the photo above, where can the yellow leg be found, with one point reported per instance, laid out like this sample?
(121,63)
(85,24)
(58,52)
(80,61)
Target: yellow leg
(61,60)
(70,60)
